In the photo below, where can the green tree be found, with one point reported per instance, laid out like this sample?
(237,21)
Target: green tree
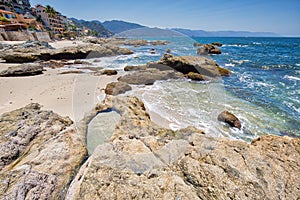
(50,11)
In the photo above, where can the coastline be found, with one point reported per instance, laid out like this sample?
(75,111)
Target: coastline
(139,158)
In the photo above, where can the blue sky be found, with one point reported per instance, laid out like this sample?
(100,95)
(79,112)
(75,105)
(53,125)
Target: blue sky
(279,16)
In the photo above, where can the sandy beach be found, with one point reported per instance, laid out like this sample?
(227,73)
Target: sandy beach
(66,94)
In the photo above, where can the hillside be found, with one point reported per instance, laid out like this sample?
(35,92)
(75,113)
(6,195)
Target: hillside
(202,33)
(93,25)
(149,32)
(117,26)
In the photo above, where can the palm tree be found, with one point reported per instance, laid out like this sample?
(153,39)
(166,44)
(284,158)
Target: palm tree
(50,10)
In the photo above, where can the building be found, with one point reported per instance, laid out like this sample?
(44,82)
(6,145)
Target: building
(11,21)
(52,20)
(17,6)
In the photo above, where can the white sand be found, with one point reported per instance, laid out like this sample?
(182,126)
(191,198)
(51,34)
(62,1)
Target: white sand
(66,43)
(68,95)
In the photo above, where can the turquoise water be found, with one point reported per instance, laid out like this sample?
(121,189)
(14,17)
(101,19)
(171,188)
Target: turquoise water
(263,90)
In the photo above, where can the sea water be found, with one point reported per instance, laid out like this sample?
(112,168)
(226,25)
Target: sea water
(263,90)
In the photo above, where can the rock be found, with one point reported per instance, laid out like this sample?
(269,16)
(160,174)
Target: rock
(208,49)
(159,42)
(138,43)
(148,77)
(197,44)
(217,44)
(116,88)
(135,68)
(161,67)
(81,62)
(72,72)
(168,51)
(40,152)
(31,54)
(53,64)
(23,70)
(143,161)
(196,64)
(195,76)
(110,72)
(230,119)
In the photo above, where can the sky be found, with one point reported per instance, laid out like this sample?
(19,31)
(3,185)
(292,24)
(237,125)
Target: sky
(278,16)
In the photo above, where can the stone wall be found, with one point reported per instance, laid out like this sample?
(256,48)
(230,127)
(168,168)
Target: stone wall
(19,36)
(24,36)
(42,36)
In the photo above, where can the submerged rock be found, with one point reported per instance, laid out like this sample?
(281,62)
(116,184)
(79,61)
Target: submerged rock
(40,153)
(230,119)
(196,64)
(116,88)
(148,77)
(23,70)
(143,161)
(208,49)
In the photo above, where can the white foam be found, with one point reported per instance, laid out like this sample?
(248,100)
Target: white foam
(235,45)
(291,78)
(298,64)
(229,65)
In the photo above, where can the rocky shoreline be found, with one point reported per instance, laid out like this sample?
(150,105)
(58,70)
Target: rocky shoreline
(45,155)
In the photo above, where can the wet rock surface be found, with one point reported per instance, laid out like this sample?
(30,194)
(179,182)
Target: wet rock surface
(143,161)
(230,119)
(40,153)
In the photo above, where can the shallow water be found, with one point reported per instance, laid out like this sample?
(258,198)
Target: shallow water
(100,129)
(263,90)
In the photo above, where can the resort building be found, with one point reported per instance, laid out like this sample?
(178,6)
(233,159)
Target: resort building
(52,19)
(17,6)
(11,21)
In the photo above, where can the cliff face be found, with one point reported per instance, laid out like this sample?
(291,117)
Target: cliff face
(41,152)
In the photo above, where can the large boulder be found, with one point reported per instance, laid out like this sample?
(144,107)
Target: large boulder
(116,88)
(230,119)
(196,64)
(23,70)
(148,77)
(143,161)
(208,49)
(31,54)
(40,153)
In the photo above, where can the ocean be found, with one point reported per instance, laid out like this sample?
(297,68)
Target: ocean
(263,90)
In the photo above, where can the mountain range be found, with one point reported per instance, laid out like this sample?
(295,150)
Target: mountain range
(122,28)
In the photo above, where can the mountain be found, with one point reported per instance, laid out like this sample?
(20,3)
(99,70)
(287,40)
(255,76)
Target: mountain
(148,32)
(202,33)
(93,25)
(117,26)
